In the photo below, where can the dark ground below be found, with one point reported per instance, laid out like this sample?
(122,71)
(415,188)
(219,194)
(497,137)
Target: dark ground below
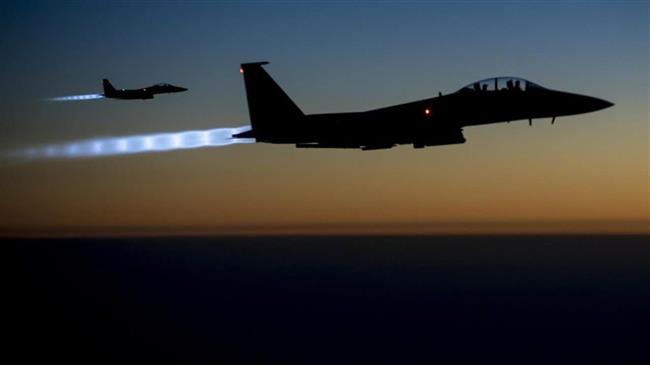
(277,300)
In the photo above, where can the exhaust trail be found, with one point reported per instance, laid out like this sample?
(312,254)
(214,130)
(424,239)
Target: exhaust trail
(159,142)
(78,97)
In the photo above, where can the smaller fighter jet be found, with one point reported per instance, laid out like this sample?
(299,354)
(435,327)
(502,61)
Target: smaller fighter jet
(144,93)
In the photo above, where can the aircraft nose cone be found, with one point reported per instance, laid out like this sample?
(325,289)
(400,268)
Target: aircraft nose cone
(182,89)
(587,104)
(599,104)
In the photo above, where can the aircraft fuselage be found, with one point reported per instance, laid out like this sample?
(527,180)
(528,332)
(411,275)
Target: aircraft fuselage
(421,120)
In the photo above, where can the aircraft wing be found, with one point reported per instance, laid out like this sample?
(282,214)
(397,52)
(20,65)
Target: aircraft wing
(364,147)
(439,137)
(423,138)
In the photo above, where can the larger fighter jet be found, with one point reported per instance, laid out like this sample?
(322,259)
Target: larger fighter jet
(144,93)
(436,121)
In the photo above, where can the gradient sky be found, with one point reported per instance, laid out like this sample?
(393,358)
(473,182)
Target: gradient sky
(585,173)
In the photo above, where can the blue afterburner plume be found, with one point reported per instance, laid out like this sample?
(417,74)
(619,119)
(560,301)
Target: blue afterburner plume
(160,142)
(78,97)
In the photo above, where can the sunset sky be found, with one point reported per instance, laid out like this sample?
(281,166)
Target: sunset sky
(586,173)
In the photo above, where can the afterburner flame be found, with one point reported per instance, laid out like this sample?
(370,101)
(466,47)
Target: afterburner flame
(160,142)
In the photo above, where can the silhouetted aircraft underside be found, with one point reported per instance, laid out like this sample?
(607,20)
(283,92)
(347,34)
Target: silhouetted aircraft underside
(144,93)
(275,118)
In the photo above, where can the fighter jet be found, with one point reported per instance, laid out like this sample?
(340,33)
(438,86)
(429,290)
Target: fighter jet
(144,93)
(436,121)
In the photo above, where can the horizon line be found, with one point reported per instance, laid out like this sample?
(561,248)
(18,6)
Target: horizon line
(459,228)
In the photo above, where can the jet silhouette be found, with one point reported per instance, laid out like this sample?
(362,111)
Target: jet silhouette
(275,118)
(144,93)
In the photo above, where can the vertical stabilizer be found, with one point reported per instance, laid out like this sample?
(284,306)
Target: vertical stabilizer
(272,112)
(109,90)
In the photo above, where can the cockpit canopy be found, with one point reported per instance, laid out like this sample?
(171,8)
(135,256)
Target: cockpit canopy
(501,83)
(163,85)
